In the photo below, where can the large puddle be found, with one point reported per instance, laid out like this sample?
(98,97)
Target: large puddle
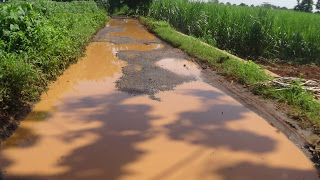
(84,128)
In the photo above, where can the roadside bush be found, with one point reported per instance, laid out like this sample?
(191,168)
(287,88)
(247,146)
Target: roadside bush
(38,40)
(119,6)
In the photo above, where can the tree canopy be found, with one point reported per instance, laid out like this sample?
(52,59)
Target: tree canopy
(304,5)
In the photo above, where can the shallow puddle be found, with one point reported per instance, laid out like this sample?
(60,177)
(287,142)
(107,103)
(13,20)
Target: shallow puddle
(131,54)
(137,47)
(181,67)
(138,68)
(133,29)
(84,128)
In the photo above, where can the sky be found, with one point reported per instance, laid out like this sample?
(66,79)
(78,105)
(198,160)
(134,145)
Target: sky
(287,3)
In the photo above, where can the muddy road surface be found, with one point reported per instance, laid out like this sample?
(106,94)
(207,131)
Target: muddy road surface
(135,108)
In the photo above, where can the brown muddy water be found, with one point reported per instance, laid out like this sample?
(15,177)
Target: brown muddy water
(85,128)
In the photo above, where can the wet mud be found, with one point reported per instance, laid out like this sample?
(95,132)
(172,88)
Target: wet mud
(101,120)
(284,69)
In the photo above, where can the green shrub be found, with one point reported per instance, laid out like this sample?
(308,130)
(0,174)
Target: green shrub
(38,40)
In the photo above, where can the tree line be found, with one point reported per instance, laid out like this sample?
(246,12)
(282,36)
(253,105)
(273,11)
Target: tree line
(302,5)
(306,5)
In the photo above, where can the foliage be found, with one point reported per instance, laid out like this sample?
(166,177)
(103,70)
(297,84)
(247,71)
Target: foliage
(140,6)
(270,6)
(245,31)
(134,4)
(124,11)
(104,4)
(305,6)
(114,6)
(38,40)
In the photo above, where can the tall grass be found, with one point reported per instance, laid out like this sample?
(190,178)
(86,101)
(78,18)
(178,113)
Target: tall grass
(245,31)
(38,40)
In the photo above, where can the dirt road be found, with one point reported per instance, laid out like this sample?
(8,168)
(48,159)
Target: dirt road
(136,108)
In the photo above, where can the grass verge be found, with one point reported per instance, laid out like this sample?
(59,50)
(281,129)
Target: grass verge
(304,107)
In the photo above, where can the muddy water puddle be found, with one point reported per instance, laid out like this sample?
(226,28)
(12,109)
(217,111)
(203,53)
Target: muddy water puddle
(181,66)
(138,68)
(85,128)
(133,29)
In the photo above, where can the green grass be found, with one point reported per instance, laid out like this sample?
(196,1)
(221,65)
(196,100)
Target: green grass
(38,40)
(304,107)
(245,31)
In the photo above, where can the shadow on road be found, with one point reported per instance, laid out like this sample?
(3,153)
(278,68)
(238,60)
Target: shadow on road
(124,125)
